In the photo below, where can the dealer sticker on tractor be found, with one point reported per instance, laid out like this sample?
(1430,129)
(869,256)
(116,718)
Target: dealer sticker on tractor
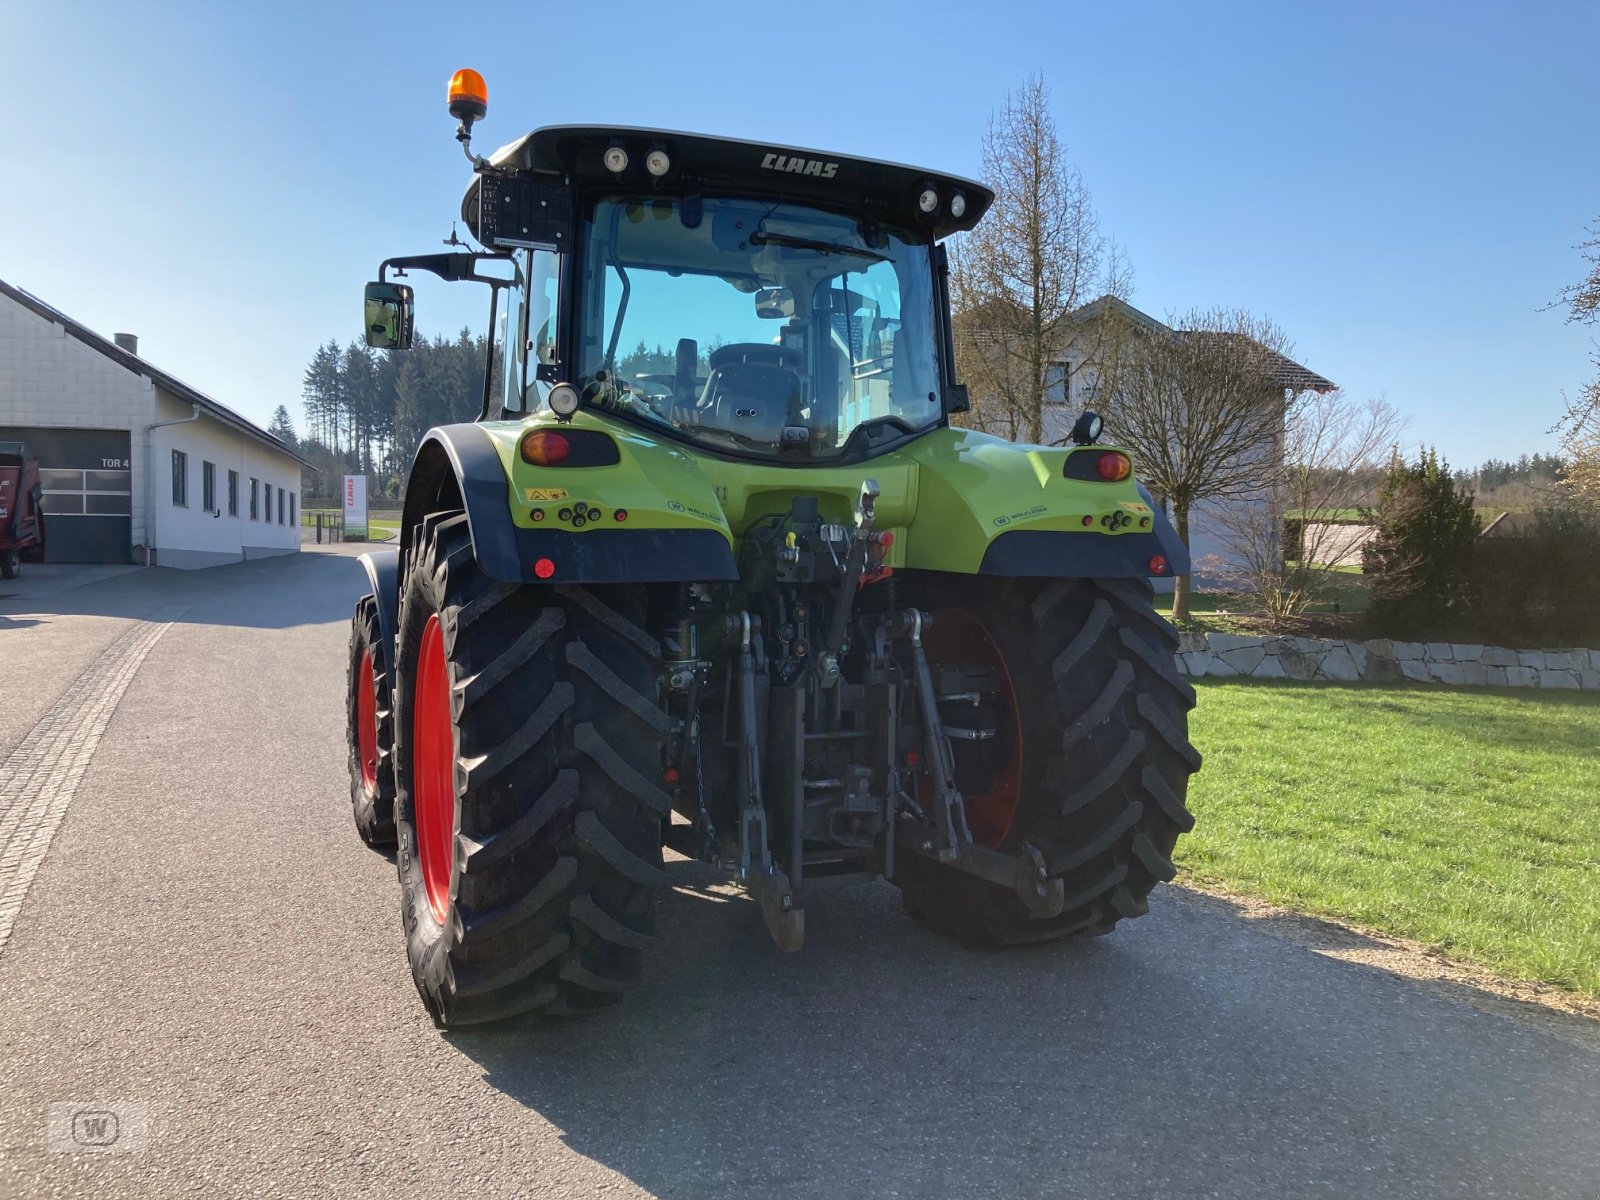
(546,493)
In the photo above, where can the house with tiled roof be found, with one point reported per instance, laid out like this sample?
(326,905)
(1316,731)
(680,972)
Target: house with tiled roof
(1073,384)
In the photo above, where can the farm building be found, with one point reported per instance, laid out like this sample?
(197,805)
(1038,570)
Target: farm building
(136,465)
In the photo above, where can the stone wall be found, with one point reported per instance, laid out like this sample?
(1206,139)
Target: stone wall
(1228,655)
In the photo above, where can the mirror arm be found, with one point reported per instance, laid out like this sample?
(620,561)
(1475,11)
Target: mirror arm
(454,268)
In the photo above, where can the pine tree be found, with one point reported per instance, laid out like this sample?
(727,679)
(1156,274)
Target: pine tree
(1416,562)
(282,427)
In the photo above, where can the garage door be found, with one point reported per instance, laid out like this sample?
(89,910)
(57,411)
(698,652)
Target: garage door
(88,492)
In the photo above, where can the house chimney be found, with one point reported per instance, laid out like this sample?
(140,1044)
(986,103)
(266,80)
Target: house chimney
(126,341)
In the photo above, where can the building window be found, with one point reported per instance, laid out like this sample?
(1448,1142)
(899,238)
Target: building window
(180,479)
(255,488)
(266,513)
(233,493)
(1058,383)
(291,508)
(280,506)
(208,486)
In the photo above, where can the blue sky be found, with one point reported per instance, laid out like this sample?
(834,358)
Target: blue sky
(1399,186)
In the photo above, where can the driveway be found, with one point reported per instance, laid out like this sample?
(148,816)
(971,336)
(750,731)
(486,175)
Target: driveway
(207,937)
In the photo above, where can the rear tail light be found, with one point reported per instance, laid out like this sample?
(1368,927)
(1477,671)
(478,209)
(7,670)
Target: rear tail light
(545,447)
(1094,465)
(569,447)
(1113,467)
(1158,565)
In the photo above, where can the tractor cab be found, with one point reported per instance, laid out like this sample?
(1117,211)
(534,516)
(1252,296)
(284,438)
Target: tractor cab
(754,300)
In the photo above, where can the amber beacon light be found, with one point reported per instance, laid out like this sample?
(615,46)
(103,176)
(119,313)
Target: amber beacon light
(469,97)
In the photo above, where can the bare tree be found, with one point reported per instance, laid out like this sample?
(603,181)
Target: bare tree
(1332,445)
(1036,257)
(1202,406)
(1580,424)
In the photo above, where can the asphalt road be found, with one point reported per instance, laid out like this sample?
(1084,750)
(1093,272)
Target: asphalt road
(208,937)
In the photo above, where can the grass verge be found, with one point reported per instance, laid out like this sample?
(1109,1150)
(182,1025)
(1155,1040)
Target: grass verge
(1467,819)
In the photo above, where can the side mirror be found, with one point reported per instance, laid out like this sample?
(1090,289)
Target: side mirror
(388,316)
(774,304)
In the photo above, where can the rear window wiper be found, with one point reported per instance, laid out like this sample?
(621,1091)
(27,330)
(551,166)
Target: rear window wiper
(761,237)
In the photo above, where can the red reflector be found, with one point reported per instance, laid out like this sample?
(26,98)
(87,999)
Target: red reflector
(670,775)
(1158,565)
(620,515)
(545,448)
(913,759)
(1114,467)
(1088,520)
(544,568)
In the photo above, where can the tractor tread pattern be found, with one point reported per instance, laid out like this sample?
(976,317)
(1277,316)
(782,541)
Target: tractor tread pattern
(1163,664)
(1177,812)
(373,810)
(1085,640)
(590,742)
(584,660)
(486,766)
(495,848)
(1103,801)
(1099,712)
(591,832)
(557,849)
(1109,776)
(474,688)
(586,912)
(1169,732)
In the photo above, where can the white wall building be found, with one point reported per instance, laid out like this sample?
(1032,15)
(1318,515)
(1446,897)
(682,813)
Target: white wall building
(1076,387)
(136,465)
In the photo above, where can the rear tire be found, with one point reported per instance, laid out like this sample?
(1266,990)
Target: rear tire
(1105,755)
(10,564)
(369,725)
(529,870)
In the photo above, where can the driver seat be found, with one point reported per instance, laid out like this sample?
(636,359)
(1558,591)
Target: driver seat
(753,391)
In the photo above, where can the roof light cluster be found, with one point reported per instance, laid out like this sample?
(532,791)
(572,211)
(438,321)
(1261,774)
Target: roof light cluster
(928,201)
(656,161)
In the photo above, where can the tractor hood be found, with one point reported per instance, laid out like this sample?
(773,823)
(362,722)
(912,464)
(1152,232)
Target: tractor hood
(699,162)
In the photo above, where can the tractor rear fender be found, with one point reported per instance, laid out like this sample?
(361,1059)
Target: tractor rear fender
(476,468)
(991,507)
(383,574)
(1090,555)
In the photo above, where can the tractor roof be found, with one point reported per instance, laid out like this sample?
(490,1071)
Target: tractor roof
(725,164)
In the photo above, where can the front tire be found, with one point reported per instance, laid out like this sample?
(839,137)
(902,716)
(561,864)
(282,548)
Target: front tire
(528,746)
(369,725)
(1090,762)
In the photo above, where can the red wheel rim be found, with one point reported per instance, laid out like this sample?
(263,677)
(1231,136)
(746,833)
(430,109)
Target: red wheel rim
(433,770)
(367,721)
(959,637)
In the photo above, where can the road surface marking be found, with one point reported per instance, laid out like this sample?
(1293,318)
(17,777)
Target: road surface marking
(39,777)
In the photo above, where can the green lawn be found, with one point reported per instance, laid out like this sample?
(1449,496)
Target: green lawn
(1468,819)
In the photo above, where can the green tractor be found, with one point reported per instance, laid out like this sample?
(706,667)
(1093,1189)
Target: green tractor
(714,573)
